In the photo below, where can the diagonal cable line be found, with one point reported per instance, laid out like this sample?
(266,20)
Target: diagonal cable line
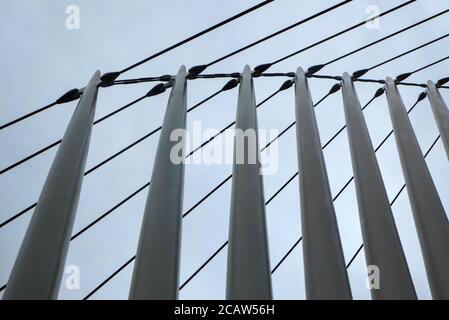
(10,123)
(393,201)
(71,95)
(409,51)
(430,65)
(399,79)
(420,98)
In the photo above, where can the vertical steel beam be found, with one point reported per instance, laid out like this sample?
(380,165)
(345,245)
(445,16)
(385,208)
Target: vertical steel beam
(324,265)
(440,112)
(39,265)
(156,270)
(248,271)
(383,247)
(430,219)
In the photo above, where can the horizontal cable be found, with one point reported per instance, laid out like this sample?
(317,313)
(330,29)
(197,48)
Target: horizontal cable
(399,79)
(288,74)
(357,74)
(148,79)
(405,75)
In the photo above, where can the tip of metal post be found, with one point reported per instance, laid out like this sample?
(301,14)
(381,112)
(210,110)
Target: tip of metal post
(389,81)
(430,83)
(346,76)
(300,71)
(182,69)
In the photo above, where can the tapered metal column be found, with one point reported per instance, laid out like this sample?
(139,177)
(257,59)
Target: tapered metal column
(248,273)
(441,114)
(156,270)
(324,265)
(430,219)
(383,247)
(39,265)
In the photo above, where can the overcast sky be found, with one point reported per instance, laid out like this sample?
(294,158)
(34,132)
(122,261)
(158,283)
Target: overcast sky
(41,59)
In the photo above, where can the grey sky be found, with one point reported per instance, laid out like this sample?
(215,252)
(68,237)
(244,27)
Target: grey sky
(41,59)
